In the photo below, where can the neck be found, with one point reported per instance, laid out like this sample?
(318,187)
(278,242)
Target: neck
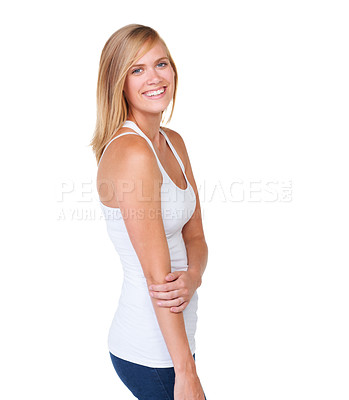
(149,124)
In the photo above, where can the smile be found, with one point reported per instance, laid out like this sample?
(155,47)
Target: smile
(155,93)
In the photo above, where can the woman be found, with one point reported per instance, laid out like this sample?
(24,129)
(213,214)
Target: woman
(150,201)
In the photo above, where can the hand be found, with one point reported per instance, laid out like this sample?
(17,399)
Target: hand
(188,387)
(178,292)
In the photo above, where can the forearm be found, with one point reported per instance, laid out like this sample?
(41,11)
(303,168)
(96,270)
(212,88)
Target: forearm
(173,330)
(197,254)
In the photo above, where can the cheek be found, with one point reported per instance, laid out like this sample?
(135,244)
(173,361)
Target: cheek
(171,75)
(171,79)
(129,89)
(168,76)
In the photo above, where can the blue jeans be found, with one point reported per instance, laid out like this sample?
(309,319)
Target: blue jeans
(146,383)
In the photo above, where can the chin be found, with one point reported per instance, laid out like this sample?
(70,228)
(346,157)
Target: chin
(157,109)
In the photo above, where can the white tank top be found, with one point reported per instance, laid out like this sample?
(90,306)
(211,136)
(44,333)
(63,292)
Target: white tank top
(135,334)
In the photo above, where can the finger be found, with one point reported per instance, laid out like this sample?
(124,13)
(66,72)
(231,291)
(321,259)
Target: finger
(170,277)
(179,308)
(165,295)
(165,287)
(171,303)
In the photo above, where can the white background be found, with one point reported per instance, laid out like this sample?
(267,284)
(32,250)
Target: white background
(262,102)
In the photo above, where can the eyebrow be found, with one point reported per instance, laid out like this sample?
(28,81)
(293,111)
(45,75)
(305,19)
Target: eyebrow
(142,65)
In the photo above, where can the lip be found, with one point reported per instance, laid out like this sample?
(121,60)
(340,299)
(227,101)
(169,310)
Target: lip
(159,96)
(154,90)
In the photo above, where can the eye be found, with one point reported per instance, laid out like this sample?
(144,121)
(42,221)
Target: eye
(135,71)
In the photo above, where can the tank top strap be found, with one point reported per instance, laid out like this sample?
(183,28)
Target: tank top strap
(173,151)
(121,134)
(132,125)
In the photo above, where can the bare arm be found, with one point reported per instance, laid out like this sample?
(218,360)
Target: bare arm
(133,172)
(193,232)
(180,286)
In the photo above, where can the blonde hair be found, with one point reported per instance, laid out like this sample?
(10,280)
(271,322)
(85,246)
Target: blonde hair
(118,55)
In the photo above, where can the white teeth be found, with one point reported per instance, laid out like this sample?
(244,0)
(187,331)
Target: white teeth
(155,93)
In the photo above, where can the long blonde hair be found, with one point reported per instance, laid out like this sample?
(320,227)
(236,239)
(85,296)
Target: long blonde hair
(118,55)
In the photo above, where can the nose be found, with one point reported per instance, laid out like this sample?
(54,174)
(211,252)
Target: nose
(153,77)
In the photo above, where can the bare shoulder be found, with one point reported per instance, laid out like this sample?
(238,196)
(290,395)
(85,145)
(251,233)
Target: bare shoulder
(123,149)
(127,159)
(173,135)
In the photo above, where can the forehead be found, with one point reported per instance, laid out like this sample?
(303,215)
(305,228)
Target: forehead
(156,51)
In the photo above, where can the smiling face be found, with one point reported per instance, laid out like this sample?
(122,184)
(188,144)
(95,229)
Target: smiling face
(149,83)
